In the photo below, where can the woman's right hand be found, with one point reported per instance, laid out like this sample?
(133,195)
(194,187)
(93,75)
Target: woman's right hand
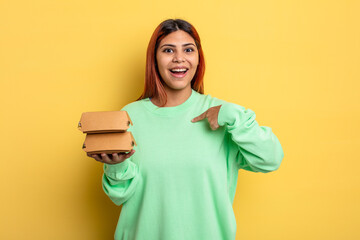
(115,159)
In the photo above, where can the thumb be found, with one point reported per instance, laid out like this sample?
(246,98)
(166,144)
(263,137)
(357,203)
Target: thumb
(200,117)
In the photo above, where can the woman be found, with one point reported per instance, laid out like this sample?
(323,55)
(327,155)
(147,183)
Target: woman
(180,184)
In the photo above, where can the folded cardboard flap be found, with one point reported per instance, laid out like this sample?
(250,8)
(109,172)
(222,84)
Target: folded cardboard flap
(109,142)
(128,116)
(104,121)
(133,139)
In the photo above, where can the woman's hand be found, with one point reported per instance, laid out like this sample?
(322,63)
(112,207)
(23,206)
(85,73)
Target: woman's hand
(212,116)
(116,157)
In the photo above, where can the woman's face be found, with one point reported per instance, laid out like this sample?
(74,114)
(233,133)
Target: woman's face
(177,59)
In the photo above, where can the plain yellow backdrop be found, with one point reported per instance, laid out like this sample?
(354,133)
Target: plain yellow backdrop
(295,63)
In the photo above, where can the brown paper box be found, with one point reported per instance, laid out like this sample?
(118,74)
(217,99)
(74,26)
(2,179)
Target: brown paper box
(109,142)
(106,121)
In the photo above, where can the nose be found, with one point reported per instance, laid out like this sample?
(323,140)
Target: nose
(178,57)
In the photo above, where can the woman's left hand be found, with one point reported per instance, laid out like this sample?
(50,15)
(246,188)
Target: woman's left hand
(212,116)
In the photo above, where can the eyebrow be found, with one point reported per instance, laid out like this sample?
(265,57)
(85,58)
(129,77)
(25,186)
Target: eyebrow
(171,45)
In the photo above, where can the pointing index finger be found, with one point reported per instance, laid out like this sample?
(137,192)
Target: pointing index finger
(200,117)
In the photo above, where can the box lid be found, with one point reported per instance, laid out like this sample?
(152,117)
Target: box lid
(104,121)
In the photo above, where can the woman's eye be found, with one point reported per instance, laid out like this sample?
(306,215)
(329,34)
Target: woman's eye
(189,50)
(168,50)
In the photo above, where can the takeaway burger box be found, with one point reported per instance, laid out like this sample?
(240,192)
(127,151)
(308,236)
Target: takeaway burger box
(102,122)
(109,143)
(106,132)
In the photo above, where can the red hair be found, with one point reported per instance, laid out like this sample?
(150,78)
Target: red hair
(153,84)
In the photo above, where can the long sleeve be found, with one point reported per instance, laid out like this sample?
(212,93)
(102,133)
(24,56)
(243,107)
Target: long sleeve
(259,150)
(119,180)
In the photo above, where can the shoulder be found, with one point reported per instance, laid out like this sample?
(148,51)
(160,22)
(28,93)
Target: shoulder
(136,112)
(214,101)
(133,106)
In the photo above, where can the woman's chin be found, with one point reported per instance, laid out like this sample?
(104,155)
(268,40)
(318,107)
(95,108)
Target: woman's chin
(178,85)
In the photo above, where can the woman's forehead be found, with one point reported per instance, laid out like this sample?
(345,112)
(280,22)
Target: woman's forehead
(179,37)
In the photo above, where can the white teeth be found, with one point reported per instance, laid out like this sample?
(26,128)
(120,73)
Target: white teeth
(178,69)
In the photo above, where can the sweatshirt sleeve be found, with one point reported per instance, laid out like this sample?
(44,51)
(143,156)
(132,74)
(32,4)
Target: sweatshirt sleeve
(119,180)
(259,150)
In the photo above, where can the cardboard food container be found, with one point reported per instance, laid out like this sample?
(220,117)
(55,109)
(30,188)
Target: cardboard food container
(109,143)
(106,121)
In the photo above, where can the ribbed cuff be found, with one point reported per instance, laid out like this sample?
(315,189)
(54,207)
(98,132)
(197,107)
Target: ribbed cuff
(116,168)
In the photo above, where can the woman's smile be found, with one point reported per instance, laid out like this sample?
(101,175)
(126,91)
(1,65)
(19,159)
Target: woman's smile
(179,72)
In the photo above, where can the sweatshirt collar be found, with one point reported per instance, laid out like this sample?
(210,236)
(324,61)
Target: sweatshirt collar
(168,111)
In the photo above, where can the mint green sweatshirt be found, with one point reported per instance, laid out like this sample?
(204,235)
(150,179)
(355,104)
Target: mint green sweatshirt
(180,183)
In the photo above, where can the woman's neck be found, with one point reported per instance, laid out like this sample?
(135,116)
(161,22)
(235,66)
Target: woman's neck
(174,97)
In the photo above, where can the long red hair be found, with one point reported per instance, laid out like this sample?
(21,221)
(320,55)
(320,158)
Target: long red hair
(153,84)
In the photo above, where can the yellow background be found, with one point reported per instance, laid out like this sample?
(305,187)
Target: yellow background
(295,63)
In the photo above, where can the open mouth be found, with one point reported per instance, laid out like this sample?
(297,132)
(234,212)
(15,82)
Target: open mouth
(178,72)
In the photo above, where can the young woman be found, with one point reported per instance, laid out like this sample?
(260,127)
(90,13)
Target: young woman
(179,181)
